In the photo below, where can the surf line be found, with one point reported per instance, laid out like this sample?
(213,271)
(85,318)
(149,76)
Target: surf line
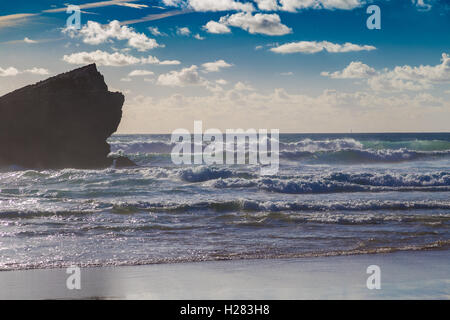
(251,146)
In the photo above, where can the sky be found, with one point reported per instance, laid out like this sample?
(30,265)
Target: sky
(300,66)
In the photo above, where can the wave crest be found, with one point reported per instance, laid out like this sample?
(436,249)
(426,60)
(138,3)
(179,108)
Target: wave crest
(342,182)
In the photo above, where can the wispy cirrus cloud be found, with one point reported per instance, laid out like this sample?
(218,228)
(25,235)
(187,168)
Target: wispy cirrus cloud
(124,3)
(133,5)
(27,40)
(15,19)
(20,18)
(156,16)
(24,40)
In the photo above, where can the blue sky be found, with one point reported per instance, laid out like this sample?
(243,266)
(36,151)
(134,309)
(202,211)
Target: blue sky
(294,65)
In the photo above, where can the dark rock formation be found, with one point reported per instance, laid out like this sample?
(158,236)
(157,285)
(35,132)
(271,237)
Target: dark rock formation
(123,162)
(62,122)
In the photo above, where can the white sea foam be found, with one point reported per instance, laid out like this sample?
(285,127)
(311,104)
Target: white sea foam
(364,194)
(341,182)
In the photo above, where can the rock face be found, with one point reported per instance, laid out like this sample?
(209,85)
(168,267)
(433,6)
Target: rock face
(62,122)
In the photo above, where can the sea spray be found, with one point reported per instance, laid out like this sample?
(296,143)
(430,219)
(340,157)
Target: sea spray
(239,147)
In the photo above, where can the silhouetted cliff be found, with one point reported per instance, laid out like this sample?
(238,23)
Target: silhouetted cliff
(62,122)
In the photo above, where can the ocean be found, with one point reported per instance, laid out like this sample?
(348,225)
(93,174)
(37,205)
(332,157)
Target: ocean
(334,194)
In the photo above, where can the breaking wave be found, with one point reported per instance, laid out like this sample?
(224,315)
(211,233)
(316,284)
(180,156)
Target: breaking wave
(353,156)
(380,200)
(282,206)
(345,150)
(330,207)
(342,182)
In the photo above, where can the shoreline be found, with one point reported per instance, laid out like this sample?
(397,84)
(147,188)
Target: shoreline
(404,275)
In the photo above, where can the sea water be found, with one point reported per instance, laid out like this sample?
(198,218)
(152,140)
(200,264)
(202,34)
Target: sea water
(334,194)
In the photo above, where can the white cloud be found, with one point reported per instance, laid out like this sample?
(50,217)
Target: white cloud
(438,73)
(268,24)
(154,60)
(220,5)
(278,108)
(240,86)
(216,27)
(389,82)
(101,58)
(124,91)
(296,5)
(211,5)
(422,5)
(183,31)
(215,66)
(172,3)
(290,73)
(318,46)
(28,40)
(266,5)
(94,33)
(38,71)
(9,72)
(115,59)
(185,77)
(215,88)
(412,78)
(355,70)
(139,73)
(199,37)
(222,82)
(155,31)
(400,78)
